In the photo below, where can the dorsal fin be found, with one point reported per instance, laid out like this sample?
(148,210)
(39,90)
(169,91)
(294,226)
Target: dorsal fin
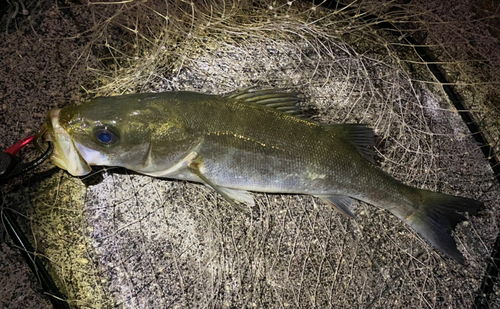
(285,102)
(360,135)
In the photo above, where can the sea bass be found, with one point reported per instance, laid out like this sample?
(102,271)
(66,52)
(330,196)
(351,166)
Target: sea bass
(245,141)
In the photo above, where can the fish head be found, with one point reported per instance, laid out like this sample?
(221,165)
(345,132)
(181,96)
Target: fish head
(96,133)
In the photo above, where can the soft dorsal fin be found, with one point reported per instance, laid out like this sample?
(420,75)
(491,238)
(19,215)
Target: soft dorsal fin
(285,102)
(360,135)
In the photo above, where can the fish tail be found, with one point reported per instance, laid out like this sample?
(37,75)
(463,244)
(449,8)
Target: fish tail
(436,215)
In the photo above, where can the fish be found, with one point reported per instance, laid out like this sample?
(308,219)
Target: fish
(246,141)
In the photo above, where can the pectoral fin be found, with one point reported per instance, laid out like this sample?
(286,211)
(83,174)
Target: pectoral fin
(340,203)
(241,196)
(233,196)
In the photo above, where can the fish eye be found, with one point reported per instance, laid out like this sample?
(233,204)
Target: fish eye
(106,135)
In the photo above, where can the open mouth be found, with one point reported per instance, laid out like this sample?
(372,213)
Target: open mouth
(65,154)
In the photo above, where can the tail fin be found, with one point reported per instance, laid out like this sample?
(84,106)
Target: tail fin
(437,216)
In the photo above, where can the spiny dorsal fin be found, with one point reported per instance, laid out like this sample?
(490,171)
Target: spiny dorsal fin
(360,135)
(285,102)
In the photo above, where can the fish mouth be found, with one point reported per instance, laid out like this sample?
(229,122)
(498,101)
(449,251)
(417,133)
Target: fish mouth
(65,154)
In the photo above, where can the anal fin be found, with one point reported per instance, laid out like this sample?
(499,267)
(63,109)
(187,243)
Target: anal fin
(340,203)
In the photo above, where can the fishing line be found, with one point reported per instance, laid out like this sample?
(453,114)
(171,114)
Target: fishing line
(10,168)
